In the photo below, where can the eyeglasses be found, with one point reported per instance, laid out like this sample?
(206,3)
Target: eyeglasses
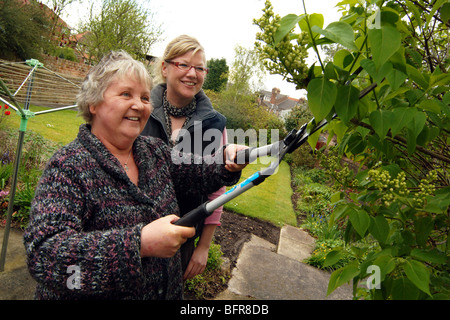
(186,67)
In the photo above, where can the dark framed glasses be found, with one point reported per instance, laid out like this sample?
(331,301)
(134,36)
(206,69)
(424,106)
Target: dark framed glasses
(185,67)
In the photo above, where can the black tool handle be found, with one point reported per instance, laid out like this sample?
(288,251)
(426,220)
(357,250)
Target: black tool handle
(243,156)
(193,217)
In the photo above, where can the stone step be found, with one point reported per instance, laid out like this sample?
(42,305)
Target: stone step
(263,274)
(295,243)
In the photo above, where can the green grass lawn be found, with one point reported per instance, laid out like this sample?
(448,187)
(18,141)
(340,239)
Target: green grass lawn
(271,200)
(61,126)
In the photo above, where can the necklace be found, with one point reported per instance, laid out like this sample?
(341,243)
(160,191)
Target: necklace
(125,165)
(169,110)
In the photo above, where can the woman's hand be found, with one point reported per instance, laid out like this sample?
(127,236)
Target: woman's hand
(198,262)
(161,238)
(230,155)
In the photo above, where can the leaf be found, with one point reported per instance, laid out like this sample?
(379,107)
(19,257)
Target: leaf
(313,138)
(437,4)
(342,276)
(430,105)
(356,143)
(360,221)
(315,19)
(432,256)
(347,103)
(384,42)
(422,229)
(332,257)
(339,212)
(446,99)
(339,32)
(287,23)
(386,264)
(321,97)
(330,71)
(379,229)
(380,120)
(396,78)
(439,202)
(418,274)
(403,289)
(414,9)
(389,15)
(343,58)
(335,197)
(417,77)
(417,122)
(370,68)
(411,142)
(442,79)
(384,70)
(338,128)
(445,13)
(402,116)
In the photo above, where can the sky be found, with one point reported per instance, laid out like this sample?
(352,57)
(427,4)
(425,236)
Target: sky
(220,25)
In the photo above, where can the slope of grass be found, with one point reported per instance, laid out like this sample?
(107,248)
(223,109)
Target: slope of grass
(271,200)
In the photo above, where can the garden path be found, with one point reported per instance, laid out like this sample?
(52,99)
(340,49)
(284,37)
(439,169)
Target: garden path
(267,272)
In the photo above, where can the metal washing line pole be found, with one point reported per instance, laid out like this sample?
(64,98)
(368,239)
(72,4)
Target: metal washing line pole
(24,114)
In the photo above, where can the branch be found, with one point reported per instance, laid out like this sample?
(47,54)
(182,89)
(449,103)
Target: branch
(435,16)
(427,50)
(423,150)
(397,139)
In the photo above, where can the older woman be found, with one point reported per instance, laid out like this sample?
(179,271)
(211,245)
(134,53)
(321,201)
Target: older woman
(101,224)
(181,117)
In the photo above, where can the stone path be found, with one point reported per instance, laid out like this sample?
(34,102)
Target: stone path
(15,281)
(266,272)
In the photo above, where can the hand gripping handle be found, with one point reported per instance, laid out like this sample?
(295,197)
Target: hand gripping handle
(243,156)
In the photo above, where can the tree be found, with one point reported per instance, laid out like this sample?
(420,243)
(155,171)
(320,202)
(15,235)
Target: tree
(217,77)
(389,88)
(246,71)
(121,24)
(58,7)
(23,30)
(243,112)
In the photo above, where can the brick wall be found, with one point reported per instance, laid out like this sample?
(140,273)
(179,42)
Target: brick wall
(76,69)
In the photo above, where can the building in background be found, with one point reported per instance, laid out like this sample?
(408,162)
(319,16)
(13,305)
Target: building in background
(278,103)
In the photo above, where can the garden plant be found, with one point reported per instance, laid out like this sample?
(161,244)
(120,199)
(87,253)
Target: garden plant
(395,55)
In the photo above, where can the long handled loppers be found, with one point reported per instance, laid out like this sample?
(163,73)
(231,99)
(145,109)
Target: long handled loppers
(279,149)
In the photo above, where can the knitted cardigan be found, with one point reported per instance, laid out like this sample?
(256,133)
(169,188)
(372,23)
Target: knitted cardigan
(87,215)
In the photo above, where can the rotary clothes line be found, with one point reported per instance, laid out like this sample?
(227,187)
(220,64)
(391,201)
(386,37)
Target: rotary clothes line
(25,114)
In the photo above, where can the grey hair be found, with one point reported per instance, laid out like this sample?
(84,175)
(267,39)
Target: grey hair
(115,65)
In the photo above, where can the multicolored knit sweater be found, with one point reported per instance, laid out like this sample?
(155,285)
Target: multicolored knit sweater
(87,216)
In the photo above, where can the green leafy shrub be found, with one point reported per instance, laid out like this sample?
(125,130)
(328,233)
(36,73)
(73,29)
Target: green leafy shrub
(65,53)
(391,95)
(36,151)
(314,199)
(206,284)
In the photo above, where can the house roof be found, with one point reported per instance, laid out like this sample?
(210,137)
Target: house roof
(288,104)
(277,100)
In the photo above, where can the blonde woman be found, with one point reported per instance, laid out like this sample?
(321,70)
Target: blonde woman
(184,118)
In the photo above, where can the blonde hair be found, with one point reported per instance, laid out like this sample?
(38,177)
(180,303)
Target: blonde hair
(178,47)
(117,64)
